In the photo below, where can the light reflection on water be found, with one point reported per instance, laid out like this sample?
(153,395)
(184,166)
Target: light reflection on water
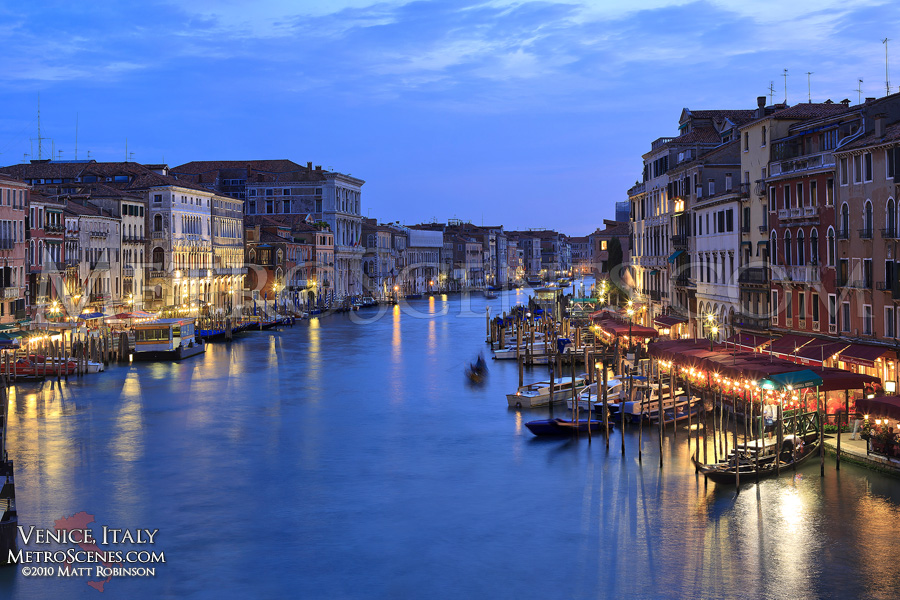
(349,459)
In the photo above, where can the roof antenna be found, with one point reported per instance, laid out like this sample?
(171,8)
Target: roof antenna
(76,136)
(859,91)
(887,77)
(40,139)
(808,86)
(771,92)
(785,75)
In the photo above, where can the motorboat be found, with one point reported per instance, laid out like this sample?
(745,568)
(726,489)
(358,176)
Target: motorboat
(590,399)
(562,427)
(538,393)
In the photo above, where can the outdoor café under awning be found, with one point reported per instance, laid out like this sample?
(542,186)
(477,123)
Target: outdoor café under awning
(788,345)
(862,355)
(818,351)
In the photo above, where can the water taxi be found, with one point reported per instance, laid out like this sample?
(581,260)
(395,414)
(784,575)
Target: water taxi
(538,393)
(167,339)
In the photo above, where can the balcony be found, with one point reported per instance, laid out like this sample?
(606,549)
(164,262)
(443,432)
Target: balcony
(127,271)
(798,212)
(745,228)
(889,233)
(860,284)
(684,281)
(760,323)
(155,274)
(883,286)
(680,241)
(763,228)
(754,276)
(158,235)
(843,234)
(55,229)
(804,163)
(99,297)
(100,234)
(744,189)
(866,233)
(654,295)
(10,292)
(99,265)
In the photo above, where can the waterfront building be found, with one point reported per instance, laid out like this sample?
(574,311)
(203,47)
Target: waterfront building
(277,264)
(863,308)
(423,254)
(378,265)
(46,266)
(515,263)
(530,248)
(582,256)
(654,208)
(603,250)
(282,187)
(99,261)
(14,199)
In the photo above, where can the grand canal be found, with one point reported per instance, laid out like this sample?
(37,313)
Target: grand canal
(347,458)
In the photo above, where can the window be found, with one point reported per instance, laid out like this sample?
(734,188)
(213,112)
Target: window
(889,157)
(813,193)
(845,178)
(867,319)
(845,317)
(727,182)
(157,198)
(814,247)
(801,254)
(746,141)
(286,192)
(787,248)
(252,192)
(845,221)
(788,308)
(787,196)
(801,305)
(603,244)
(867,166)
(763,136)
(890,218)
(712,187)
(867,220)
(814,302)
(773,251)
(857,168)
(867,273)
(889,322)
(729,220)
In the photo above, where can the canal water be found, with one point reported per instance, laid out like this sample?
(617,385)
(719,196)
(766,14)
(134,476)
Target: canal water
(347,458)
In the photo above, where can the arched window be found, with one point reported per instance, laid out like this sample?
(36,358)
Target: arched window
(890,218)
(157,223)
(867,220)
(845,221)
(814,247)
(773,251)
(801,254)
(159,258)
(787,248)
(831,246)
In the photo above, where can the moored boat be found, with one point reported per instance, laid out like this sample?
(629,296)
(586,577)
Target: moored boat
(795,450)
(538,393)
(167,339)
(562,427)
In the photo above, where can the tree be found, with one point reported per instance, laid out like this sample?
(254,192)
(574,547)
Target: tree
(614,248)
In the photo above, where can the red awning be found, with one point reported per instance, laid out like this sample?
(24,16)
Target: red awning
(669,320)
(789,344)
(818,351)
(862,355)
(749,341)
(883,406)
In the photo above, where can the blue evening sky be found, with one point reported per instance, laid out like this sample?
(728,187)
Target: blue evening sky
(528,114)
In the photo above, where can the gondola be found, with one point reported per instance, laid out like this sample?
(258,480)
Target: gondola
(795,450)
(562,427)
(477,371)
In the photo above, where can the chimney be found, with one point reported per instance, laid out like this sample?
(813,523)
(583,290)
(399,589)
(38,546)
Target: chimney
(318,167)
(309,166)
(870,100)
(845,102)
(879,125)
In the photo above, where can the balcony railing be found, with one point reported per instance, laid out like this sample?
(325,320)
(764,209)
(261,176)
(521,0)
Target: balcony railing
(889,233)
(654,295)
(680,241)
(99,265)
(11,292)
(843,234)
(745,228)
(745,189)
(158,235)
(684,281)
(754,275)
(763,228)
(99,234)
(156,274)
(805,163)
(99,297)
(761,323)
(127,271)
(866,233)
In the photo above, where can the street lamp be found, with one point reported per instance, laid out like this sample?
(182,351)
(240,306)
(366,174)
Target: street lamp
(713,329)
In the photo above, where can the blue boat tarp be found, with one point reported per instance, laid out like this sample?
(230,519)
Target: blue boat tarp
(561,344)
(91,316)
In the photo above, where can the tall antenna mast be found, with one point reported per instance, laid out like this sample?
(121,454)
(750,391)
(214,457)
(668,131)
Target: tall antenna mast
(771,92)
(76,136)
(785,75)
(40,139)
(859,91)
(808,87)
(887,77)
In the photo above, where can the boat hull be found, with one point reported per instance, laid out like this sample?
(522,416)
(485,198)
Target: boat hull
(725,473)
(164,355)
(562,427)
